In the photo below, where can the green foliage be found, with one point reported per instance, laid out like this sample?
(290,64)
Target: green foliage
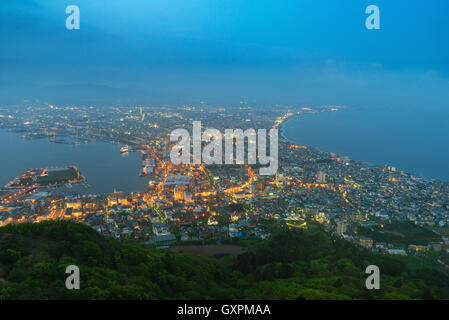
(293,264)
(58,177)
(401,233)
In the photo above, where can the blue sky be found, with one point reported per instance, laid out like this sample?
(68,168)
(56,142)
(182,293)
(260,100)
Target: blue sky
(266,51)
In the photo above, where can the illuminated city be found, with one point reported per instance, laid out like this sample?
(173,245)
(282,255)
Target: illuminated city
(233,158)
(206,202)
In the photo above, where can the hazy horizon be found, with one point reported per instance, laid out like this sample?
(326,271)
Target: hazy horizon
(261,52)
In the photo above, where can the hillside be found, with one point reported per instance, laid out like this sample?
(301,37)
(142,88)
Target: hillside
(293,264)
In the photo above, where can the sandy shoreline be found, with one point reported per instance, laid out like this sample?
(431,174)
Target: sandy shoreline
(282,129)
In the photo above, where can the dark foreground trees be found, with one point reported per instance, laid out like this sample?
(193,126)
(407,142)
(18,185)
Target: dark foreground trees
(294,264)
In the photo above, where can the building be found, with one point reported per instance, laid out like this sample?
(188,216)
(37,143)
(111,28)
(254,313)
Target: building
(341,228)
(400,252)
(161,229)
(321,177)
(417,248)
(177,180)
(366,242)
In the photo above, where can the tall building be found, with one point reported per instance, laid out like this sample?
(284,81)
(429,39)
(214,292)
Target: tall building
(341,228)
(321,177)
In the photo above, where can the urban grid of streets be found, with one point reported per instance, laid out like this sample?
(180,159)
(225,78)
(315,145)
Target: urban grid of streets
(208,202)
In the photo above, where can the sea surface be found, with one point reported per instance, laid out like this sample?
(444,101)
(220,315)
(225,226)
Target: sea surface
(100,162)
(413,140)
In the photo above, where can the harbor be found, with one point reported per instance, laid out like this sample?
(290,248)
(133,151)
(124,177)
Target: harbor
(100,162)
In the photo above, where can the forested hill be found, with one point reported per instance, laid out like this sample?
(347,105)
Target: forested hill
(294,264)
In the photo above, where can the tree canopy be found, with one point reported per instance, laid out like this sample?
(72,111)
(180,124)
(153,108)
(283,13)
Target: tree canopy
(293,264)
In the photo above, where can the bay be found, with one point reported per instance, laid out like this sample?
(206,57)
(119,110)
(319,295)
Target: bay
(413,140)
(100,162)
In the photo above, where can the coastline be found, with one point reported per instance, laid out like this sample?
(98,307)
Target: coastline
(282,129)
(100,162)
(375,163)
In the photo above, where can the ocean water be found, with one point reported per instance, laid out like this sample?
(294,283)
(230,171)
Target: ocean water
(100,162)
(413,140)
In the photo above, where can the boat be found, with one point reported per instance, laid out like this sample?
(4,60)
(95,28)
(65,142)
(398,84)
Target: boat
(124,149)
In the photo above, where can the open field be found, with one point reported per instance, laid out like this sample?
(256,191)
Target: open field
(213,250)
(58,176)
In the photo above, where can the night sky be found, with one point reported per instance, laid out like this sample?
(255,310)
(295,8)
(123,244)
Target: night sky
(263,52)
